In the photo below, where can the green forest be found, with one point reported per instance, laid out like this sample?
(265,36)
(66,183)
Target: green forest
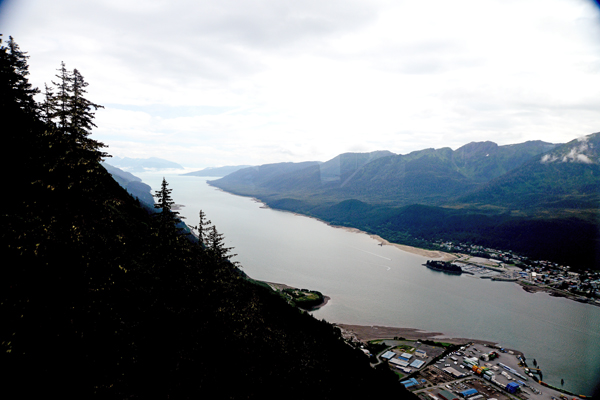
(528,198)
(103,297)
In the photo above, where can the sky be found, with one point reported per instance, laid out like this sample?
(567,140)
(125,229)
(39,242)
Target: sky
(231,82)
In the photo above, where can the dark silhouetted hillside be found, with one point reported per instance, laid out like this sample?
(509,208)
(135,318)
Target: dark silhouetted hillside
(101,298)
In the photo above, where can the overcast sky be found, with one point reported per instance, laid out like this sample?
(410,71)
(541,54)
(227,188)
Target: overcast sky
(228,82)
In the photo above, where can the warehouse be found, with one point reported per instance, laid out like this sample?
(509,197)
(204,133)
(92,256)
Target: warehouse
(405,356)
(420,353)
(453,372)
(388,354)
(410,383)
(468,393)
(399,363)
(446,395)
(417,364)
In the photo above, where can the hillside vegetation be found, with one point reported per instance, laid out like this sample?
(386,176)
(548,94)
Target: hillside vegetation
(101,298)
(536,198)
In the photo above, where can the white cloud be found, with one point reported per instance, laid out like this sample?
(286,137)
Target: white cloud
(259,81)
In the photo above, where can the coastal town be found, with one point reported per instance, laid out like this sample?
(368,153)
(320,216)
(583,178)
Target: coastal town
(533,275)
(473,370)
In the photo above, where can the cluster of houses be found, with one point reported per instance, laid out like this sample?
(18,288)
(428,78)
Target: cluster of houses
(584,283)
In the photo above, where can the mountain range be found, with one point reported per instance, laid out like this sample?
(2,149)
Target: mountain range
(483,193)
(217,171)
(132,184)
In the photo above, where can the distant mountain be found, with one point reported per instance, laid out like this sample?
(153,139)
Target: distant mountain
(132,184)
(217,171)
(430,176)
(483,161)
(565,179)
(141,164)
(255,179)
(538,198)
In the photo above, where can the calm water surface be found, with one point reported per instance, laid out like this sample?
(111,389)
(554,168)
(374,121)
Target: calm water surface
(373,285)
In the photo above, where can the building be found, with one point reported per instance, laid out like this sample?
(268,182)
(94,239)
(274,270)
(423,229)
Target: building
(410,383)
(446,395)
(398,362)
(468,393)
(420,353)
(417,364)
(453,372)
(388,355)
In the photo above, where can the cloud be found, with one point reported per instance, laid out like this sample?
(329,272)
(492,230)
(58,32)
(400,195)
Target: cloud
(264,81)
(576,154)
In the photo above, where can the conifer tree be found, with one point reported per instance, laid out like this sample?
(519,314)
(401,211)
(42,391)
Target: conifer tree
(48,106)
(16,93)
(81,113)
(22,91)
(73,113)
(60,101)
(216,246)
(203,227)
(168,218)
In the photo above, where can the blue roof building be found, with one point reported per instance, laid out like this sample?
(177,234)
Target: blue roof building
(469,392)
(512,387)
(410,382)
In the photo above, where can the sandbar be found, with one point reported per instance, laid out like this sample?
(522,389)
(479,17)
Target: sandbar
(365,333)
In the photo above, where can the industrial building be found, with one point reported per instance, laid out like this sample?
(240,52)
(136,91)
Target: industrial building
(446,395)
(399,363)
(420,353)
(410,383)
(453,372)
(468,393)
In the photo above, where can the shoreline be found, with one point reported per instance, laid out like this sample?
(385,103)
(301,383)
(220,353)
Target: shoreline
(280,286)
(409,249)
(434,254)
(365,333)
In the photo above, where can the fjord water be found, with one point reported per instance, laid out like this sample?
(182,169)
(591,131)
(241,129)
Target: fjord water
(374,285)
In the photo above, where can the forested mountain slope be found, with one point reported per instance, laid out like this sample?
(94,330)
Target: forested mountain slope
(132,184)
(99,298)
(564,180)
(430,176)
(535,198)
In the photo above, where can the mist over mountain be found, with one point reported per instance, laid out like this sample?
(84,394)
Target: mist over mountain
(132,184)
(534,197)
(142,164)
(564,180)
(217,171)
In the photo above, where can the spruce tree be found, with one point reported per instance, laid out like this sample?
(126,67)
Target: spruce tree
(216,246)
(81,113)
(16,69)
(16,93)
(48,106)
(168,218)
(61,99)
(203,227)
(73,112)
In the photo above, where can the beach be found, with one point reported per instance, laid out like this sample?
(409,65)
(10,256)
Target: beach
(365,333)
